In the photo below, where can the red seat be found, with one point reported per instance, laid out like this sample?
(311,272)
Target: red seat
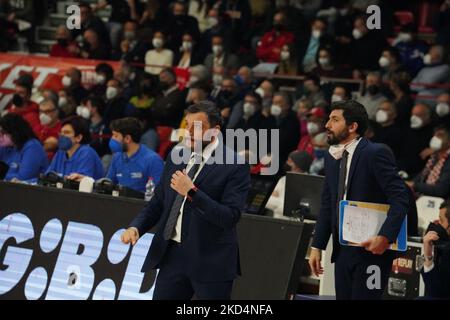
(164,140)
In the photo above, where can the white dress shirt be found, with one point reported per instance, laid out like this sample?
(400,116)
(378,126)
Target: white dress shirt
(206,155)
(351,150)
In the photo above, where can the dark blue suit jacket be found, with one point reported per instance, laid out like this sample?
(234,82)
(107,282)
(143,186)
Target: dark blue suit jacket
(209,222)
(373,177)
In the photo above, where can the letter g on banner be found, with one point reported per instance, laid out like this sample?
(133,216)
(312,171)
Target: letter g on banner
(16,260)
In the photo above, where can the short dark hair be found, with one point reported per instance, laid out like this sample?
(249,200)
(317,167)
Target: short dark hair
(443,128)
(18,128)
(256,96)
(314,77)
(25,80)
(80,126)
(393,51)
(353,111)
(106,69)
(211,110)
(446,205)
(97,102)
(128,126)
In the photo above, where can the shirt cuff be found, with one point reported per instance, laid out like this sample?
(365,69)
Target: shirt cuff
(428,269)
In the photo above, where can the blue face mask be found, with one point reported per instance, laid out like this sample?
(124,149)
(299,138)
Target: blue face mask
(115,146)
(319,153)
(64,143)
(239,80)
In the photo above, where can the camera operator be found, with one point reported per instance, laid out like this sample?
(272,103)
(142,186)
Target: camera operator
(436,249)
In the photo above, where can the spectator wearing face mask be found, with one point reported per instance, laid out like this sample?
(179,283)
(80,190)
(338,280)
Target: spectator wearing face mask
(245,81)
(21,103)
(386,130)
(65,46)
(434,180)
(271,45)
(140,104)
(20,149)
(326,66)
(220,57)
(286,122)
(399,86)
(308,47)
(415,147)
(252,116)
(74,154)
(340,93)
(178,24)
(390,63)
(93,112)
(266,90)
(199,10)
(71,81)
(302,107)
(410,48)
(315,125)
(366,46)
(298,162)
(103,73)
(237,18)
(372,97)
(168,108)
(158,58)
(227,98)
(442,109)
(135,43)
(436,268)
(313,91)
(321,146)
(93,48)
(47,131)
(115,102)
(288,61)
(187,54)
(435,71)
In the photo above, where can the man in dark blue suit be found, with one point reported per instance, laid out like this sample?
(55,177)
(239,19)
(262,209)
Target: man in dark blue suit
(195,209)
(356,169)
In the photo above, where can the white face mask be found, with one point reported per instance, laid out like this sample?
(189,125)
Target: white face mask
(336,98)
(404,37)
(217,79)
(312,128)
(427,59)
(337,150)
(217,49)
(324,62)
(275,110)
(66,81)
(383,62)
(260,91)
(44,119)
(381,116)
(83,112)
(99,78)
(436,143)
(212,21)
(249,109)
(111,93)
(357,34)
(157,43)
(187,45)
(442,109)
(285,55)
(62,102)
(416,122)
(316,33)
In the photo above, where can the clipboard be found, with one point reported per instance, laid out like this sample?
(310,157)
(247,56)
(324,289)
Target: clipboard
(399,245)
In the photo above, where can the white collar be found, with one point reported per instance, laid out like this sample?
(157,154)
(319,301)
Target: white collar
(170,90)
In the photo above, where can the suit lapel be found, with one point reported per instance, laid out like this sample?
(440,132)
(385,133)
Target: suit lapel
(356,155)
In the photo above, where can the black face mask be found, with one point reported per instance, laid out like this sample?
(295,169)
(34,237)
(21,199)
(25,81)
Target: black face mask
(278,27)
(373,89)
(146,89)
(62,42)
(440,230)
(17,100)
(226,94)
(164,86)
(86,45)
(287,167)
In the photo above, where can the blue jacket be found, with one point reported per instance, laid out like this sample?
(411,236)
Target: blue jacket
(134,172)
(209,222)
(26,163)
(374,178)
(84,161)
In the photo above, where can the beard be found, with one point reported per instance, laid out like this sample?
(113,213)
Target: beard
(337,138)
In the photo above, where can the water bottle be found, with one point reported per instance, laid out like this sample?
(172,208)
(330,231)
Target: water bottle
(149,189)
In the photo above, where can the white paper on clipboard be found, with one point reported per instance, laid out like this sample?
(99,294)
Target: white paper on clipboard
(361,224)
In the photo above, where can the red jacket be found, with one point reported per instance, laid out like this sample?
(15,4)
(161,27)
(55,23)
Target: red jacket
(305,144)
(58,50)
(269,41)
(30,112)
